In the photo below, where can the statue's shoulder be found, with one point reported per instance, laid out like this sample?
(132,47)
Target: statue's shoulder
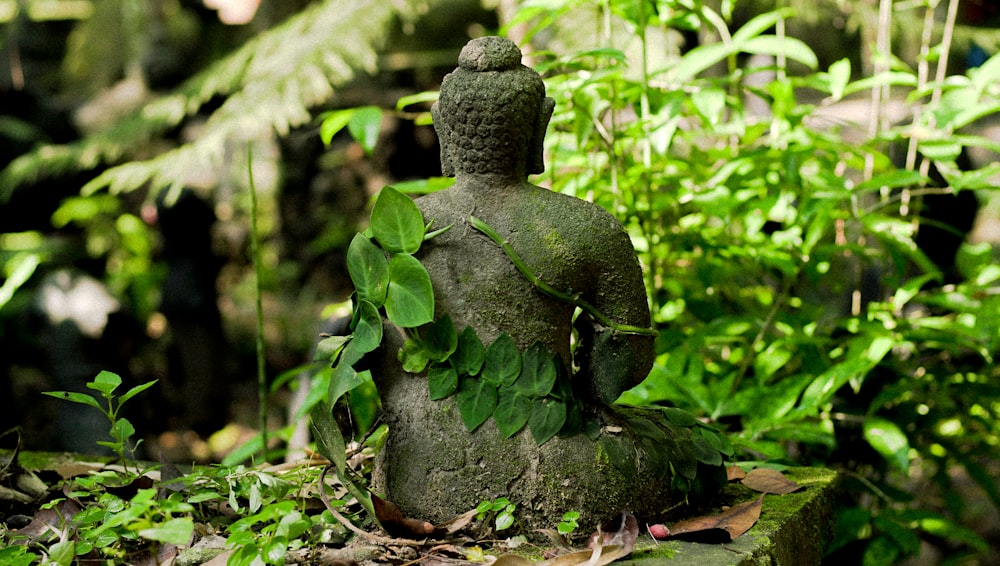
(582,215)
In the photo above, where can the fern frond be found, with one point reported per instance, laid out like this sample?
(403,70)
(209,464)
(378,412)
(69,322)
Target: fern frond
(269,83)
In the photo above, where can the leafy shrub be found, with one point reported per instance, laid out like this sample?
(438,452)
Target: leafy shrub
(758,233)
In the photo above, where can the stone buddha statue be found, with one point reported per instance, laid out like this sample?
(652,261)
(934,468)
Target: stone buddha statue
(491,119)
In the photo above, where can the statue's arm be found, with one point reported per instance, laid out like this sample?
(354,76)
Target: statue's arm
(611,361)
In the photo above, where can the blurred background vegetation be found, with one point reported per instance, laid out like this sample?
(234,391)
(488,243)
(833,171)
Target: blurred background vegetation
(810,185)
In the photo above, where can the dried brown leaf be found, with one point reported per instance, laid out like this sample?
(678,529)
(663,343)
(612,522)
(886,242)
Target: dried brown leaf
(734,473)
(49,520)
(766,480)
(392,520)
(720,528)
(622,532)
(456,524)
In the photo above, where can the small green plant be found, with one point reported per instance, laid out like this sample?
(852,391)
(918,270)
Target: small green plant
(17,555)
(500,511)
(568,523)
(121,430)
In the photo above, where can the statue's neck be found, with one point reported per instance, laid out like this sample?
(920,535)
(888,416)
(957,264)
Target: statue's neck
(489,181)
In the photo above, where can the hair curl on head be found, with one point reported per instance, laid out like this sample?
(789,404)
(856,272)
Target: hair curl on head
(492,112)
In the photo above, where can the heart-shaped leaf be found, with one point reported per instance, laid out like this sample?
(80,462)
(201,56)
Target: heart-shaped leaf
(512,412)
(396,222)
(442,381)
(538,372)
(546,419)
(368,328)
(369,270)
(502,361)
(440,339)
(409,301)
(476,400)
(470,354)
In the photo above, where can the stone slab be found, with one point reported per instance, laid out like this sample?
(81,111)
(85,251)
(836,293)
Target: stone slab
(793,530)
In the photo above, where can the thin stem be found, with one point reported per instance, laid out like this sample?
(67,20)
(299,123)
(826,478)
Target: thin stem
(257,268)
(544,287)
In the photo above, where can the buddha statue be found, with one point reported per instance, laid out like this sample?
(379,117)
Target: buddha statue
(491,119)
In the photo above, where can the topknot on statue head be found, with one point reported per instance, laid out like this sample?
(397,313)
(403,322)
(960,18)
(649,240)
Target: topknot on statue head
(492,112)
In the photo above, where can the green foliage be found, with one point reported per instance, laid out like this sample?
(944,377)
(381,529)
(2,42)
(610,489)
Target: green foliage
(568,524)
(121,429)
(268,84)
(500,512)
(755,231)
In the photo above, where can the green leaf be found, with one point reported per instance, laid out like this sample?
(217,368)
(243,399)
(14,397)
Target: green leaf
(396,222)
(789,47)
(364,125)
(699,59)
(333,122)
(63,552)
(410,300)
(345,377)
(75,397)
(368,328)
(538,372)
(105,382)
(442,381)
(174,531)
(369,270)
(759,24)
(679,417)
(328,349)
(135,391)
(425,96)
(839,75)
(511,413)
(470,353)
(888,440)
(502,361)
(329,439)
(414,356)
(476,401)
(546,418)
(441,340)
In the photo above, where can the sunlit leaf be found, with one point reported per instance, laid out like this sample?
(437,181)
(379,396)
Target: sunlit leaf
(369,270)
(396,222)
(888,440)
(409,301)
(365,125)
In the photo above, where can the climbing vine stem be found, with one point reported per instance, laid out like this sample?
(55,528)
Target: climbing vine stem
(544,287)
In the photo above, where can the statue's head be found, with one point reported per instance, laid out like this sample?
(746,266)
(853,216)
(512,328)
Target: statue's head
(492,112)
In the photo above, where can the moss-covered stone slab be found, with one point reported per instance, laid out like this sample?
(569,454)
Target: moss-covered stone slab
(793,530)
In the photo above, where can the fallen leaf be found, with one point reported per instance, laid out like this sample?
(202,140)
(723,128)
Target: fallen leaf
(392,520)
(622,532)
(734,473)
(724,527)
(49,520)
(456,524)
(766,480)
